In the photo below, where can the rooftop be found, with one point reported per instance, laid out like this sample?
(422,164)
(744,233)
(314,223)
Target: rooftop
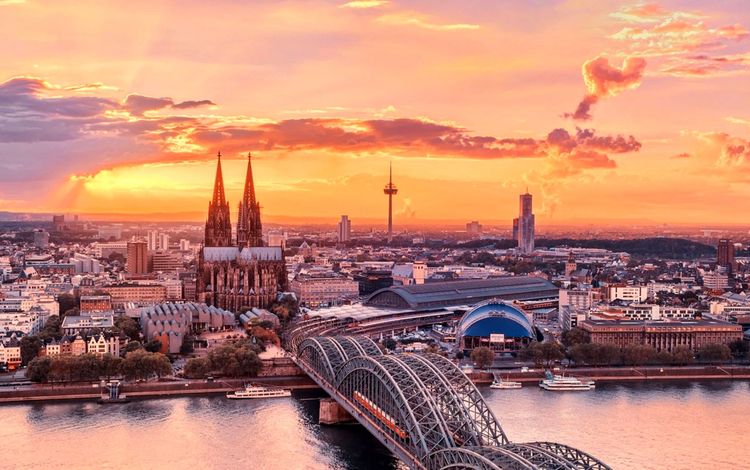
(464,292)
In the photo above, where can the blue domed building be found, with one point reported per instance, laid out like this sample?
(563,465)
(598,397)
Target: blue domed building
(496,324)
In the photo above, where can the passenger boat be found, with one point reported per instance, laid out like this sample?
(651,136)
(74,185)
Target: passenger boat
(499,383)
(561,383)
(257,391)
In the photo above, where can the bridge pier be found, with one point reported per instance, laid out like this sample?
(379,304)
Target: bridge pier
(331,412)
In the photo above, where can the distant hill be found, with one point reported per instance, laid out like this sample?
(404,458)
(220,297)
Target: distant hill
(660,247)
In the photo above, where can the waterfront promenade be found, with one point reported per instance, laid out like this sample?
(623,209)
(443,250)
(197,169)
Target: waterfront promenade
(86,391)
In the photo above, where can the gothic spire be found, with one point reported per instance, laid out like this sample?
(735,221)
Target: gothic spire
(249,195)
(249,228)
(218,225)
(219,196)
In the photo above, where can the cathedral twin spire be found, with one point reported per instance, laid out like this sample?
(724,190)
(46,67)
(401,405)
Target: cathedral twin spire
(219,226)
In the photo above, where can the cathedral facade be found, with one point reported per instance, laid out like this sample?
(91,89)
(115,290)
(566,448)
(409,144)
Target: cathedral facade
(238,272)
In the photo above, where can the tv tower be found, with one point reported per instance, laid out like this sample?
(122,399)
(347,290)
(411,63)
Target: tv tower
(391,190)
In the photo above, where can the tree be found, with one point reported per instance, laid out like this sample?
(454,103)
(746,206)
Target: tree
(52,328)
(739,348)
(715,353)
(637,354)
(575,336)
(153,346)
(662,357)
(62,369)
(550,352)
(187,344)
(482,357)
(159,364)
(86,367)
(29,348)
(132,346)
(682,356)
(67,302)
(235,360)
(264,336)
(141,364)
(71,312)
(248,363)
(39,369)
(579,353)
(595,354)
(110,366)
(197,368)
(128,326)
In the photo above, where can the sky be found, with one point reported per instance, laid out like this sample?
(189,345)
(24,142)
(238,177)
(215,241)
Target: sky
(608,112)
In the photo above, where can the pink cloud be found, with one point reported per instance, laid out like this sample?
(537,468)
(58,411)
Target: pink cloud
(602,79)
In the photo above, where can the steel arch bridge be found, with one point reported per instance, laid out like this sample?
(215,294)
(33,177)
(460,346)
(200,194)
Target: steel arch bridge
(423,408)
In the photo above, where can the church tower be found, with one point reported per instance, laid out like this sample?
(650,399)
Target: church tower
(249,230)
(218,225)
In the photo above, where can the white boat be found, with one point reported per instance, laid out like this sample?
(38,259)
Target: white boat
(257,391)
(561,383)
(499,383)
(505,384)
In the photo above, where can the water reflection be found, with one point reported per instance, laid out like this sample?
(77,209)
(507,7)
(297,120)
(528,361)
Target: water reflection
(687,425)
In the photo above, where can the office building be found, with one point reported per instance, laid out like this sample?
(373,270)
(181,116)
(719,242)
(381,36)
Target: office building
(725,255)
(663,336)
(345,229)
(474,228)
(41,239)
(523,226)
(137,262)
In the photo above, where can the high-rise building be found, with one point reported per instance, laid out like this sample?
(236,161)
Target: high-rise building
(137,258)
(390,190)
(474,228)
(41,238)
(249,230)
(725,255)
(345,229)
(525,224)
(163,241)
(218,226)
(58,223)
(152,239)
(157,241)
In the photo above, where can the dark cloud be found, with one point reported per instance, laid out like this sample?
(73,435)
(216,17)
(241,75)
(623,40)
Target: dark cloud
(193,104)
(139,104)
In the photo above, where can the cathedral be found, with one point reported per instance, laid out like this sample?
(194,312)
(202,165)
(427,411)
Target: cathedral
(238,272)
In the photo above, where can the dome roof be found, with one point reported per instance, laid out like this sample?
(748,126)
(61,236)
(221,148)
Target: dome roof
(495,316)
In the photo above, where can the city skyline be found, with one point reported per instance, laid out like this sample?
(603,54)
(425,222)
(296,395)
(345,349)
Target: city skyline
(572,98)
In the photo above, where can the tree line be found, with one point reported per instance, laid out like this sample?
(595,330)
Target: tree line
(577,348)
(237,358)
(138,364)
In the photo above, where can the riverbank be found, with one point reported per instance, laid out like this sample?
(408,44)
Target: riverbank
(620,374)
(45,392)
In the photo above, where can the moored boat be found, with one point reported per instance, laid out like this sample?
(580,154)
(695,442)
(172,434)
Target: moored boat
(499,383)
(257,391)
(562,383)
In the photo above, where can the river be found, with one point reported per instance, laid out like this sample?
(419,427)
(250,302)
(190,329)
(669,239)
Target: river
(690,425)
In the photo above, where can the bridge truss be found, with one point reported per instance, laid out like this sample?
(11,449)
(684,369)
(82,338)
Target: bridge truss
(420,406)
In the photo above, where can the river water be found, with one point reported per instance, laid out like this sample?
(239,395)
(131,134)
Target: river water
(691,425)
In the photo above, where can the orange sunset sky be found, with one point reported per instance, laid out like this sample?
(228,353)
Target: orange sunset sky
(608,111)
